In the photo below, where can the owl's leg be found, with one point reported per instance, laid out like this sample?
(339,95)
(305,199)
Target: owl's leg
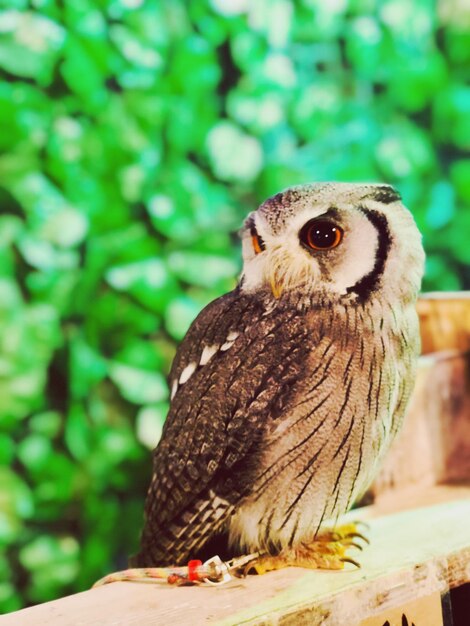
(327,551)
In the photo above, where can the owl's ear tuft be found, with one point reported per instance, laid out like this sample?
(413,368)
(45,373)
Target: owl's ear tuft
(385,194)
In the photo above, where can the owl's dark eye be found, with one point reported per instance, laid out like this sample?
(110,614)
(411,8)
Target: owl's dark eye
(257,241)
(321,235)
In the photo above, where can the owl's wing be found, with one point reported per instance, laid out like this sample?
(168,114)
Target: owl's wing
(231,376)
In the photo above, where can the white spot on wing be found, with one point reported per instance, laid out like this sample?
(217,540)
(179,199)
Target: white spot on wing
(217,502)
(206,515)
(230,341)
(187,373)
(180,532)
(207,354)
(174,389)
(269,308)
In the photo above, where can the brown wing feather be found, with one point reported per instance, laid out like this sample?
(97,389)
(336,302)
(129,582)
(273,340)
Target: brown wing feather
(207,454)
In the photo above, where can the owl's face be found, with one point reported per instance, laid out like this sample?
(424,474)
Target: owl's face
(333,241)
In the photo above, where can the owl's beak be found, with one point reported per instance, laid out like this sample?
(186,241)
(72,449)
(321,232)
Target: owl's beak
(276,287)
(276,280)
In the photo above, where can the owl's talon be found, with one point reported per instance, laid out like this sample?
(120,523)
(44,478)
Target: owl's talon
(357,536)
(242,566)
(346,559)
(261,565)
(327,551)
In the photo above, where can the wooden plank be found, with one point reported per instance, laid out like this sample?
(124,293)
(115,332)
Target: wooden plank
(414,554)
(426,610)
(444,321)
(434,444)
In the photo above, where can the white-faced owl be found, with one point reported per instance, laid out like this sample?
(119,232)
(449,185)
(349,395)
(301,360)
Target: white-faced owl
(287,391)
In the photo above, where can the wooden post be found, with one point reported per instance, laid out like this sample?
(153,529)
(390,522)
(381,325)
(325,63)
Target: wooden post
(445,321)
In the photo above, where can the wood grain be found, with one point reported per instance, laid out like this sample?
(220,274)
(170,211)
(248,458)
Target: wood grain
(444,321)
(426,610)
(434,443)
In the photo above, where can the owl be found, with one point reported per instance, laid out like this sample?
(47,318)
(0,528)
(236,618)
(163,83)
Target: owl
(287,392)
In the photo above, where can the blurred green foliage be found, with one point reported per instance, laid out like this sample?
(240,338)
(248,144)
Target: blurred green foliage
(134,137)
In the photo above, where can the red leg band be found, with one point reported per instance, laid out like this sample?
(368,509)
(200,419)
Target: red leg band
(193,566)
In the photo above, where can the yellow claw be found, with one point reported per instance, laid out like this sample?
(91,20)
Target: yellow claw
(268,563)
(346,559)
(327,551)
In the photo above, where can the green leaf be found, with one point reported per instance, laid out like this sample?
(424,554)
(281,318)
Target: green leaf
(179,314)
(137,385)
(7,450)
(50,552)
(202,269)
(442,206)
(116,445)
(55,483)
(148,281)
(81,73)
(47,423)
(34,451)
(30,44)
(10,599)
(87,367)
(460,177)
(141,353)
(404,149)
(78,435)
(233,154)
(149,424)
(16,503)
(134,50)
